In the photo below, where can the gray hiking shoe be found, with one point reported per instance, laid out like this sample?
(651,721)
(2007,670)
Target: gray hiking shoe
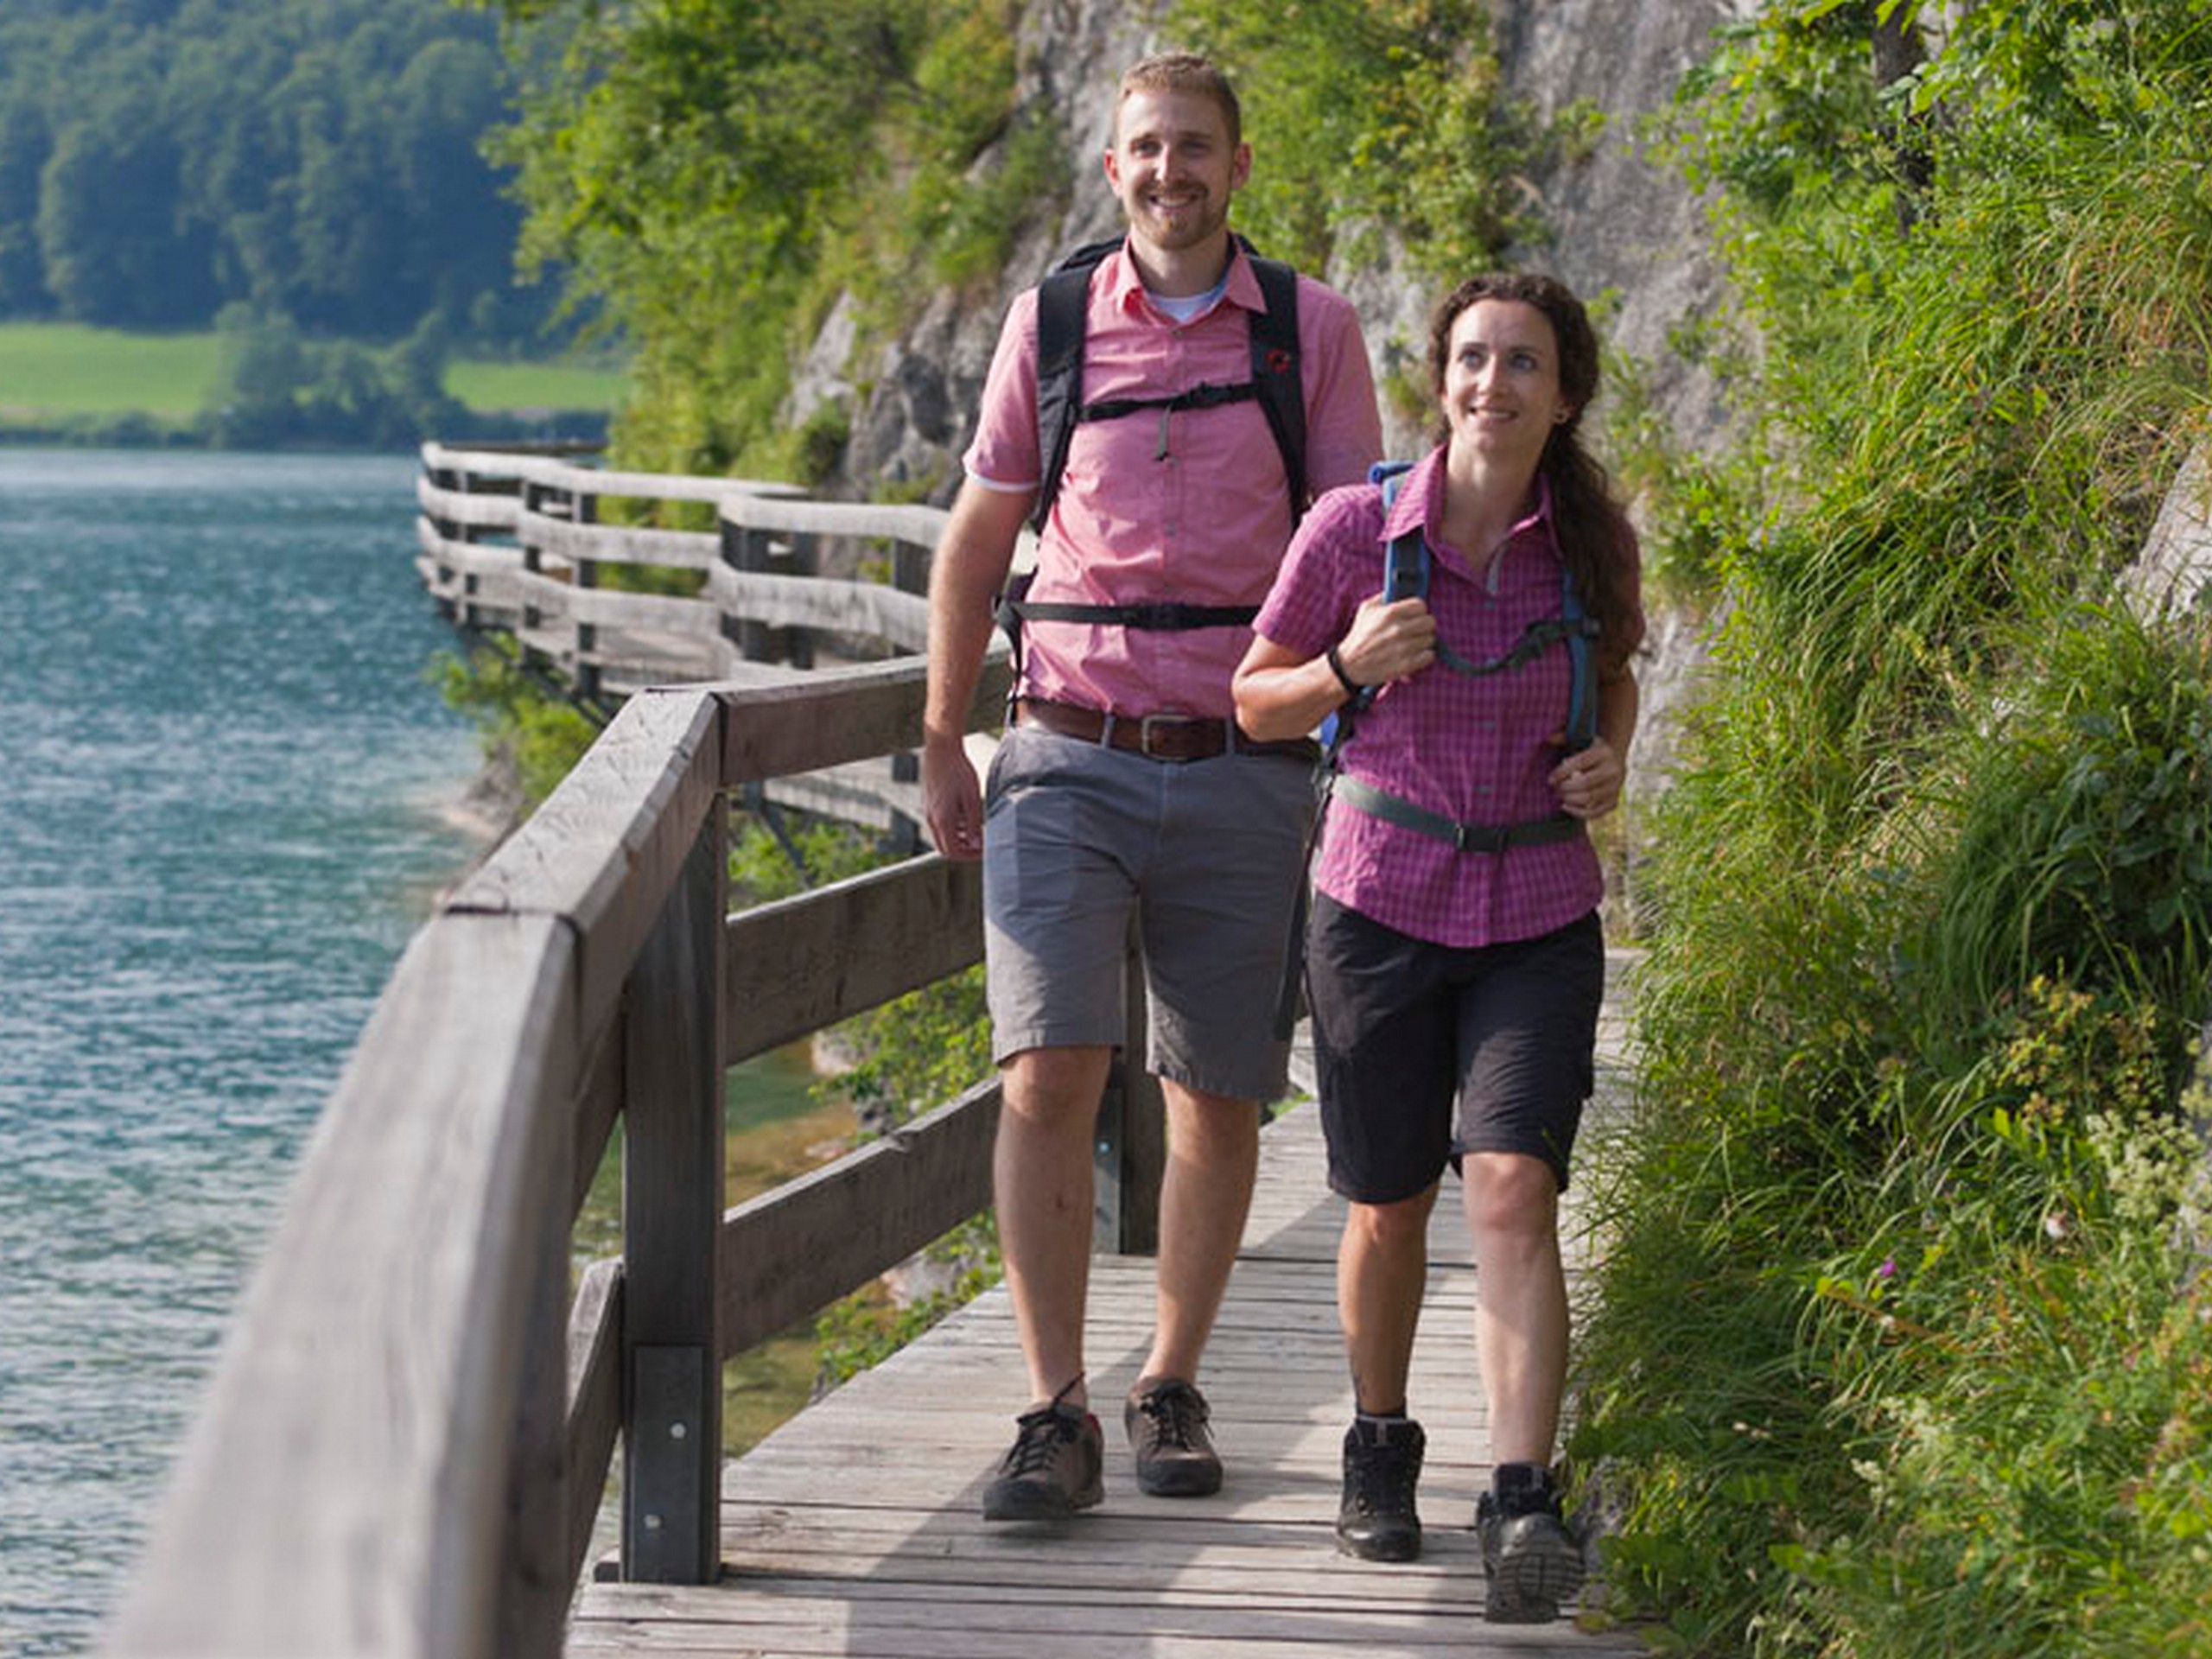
(1167,1423)
(1531,1564)
(1377,1521)
(1053,1468)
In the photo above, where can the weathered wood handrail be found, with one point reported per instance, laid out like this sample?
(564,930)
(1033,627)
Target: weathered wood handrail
(759,596)
(402,1448)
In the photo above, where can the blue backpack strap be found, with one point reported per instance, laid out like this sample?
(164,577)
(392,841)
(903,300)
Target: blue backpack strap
(1405,562)
(1581,656)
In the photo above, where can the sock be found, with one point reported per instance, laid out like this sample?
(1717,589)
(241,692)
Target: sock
(1512,1479)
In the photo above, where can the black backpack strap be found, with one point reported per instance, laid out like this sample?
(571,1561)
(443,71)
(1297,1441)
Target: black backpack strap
(1062,299)
(1165,615)
(1363,797)
(1276,371)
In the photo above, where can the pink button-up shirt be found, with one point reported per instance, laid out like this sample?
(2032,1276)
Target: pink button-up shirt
(1204,522)
(1475,750)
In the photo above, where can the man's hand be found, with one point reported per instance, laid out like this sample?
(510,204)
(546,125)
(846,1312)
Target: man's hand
(952,799)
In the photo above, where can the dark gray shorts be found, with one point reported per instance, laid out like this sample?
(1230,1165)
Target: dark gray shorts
(1207,854)
(1425,1051)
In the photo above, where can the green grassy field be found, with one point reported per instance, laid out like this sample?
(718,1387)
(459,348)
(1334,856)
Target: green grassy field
(486,387)
(65,369)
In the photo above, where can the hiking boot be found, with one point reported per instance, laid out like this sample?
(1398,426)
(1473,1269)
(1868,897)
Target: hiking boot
(1376,1520)
(1053,1469)
(1167,1421)
(1531,1563)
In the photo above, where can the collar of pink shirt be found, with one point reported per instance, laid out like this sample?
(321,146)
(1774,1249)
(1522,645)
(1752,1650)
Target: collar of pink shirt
(1420,503)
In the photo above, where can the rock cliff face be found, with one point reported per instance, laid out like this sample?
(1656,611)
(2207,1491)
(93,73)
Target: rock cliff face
(1622,224)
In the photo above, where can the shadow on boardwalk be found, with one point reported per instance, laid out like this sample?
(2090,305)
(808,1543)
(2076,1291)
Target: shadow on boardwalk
(854,1529)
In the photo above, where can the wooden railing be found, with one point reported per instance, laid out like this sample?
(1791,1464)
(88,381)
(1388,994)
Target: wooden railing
(404,1444)
(517,543)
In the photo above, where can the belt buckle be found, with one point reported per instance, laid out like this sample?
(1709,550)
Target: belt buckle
(1479,838)
(1167,722)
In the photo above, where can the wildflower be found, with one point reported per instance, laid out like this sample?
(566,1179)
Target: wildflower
(2057,1226)
(1888,1270)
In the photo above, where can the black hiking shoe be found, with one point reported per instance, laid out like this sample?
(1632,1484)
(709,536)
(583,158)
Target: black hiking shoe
(1377,1521)
(1053,1468)
(1531,1564)
(1167,1423)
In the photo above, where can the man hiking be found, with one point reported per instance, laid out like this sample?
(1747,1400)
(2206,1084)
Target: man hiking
(1165,453)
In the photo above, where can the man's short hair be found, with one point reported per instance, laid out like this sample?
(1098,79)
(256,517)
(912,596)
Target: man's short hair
(1181,72)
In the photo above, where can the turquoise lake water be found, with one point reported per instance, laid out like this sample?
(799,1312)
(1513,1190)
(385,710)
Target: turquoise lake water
(228,795)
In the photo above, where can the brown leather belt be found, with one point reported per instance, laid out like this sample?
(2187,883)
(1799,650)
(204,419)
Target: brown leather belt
(1156,737)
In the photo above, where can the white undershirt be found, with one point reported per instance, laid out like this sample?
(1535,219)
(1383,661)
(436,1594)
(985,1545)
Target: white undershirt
(1184,308)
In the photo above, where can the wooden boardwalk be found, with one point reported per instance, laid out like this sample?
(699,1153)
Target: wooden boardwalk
(854,1529)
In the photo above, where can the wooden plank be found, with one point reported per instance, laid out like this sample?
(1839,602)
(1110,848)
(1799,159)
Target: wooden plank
(681,549)
(475,509)
(895,521)
(789,1252)
(487,560)
(556,473)
(871,610)
(861,792)
(653,613)
(592,1113)
(595,1393)
(605,849)
(375,1361)
(839,715)
(805,963)
(785,1620)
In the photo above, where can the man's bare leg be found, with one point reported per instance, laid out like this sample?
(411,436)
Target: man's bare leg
(1213,1154)
(1041,1174)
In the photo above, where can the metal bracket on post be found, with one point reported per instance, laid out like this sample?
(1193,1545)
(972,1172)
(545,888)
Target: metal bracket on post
(660,1466)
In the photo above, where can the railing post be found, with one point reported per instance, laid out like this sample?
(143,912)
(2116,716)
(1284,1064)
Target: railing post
(802,558)
(746,548)
(1131,1150)
(534,1587)
(672,1213)
(909,574)
(584,510)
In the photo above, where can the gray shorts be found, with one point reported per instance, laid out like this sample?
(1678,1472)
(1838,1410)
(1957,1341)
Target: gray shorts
(1206,854)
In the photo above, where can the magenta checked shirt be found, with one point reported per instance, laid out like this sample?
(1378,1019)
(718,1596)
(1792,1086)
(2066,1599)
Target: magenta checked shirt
(1477,750)
(1202,519)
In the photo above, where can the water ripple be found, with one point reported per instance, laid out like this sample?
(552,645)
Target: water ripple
(226,775)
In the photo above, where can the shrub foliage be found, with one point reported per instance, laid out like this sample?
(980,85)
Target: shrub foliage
(1896,1351)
